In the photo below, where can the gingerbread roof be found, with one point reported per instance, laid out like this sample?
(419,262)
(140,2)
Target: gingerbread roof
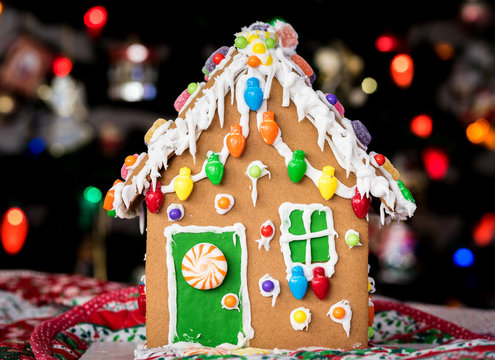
(264,52)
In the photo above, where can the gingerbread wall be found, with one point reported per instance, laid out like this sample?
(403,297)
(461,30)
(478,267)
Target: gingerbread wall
(272,328)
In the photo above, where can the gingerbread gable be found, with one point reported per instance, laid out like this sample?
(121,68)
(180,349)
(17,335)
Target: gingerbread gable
(221,172)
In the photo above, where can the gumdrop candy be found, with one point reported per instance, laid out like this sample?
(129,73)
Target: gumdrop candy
(340,108)
(149,134)
(181,100)
(361,132)
(331,98)
(304,66)
(288,36)
(210,64)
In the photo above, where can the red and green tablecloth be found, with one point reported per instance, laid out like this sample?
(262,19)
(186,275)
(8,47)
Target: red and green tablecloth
(58,316)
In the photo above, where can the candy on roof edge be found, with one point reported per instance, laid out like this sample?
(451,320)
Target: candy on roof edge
(347,139)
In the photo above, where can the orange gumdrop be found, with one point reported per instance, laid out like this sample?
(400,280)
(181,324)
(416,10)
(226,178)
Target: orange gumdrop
(116,182)
(254,61)
(223,202)
(236,141)
(130,160)
(230,301)
(108,202)
(268,128)
(339,312)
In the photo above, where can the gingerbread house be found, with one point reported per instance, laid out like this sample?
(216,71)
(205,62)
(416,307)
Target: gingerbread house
(256,201)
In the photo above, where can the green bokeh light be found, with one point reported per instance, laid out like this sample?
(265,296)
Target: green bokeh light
(92,194)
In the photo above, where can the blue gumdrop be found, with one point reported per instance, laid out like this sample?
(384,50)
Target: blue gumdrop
(253,94)
(298,283)
(331,98)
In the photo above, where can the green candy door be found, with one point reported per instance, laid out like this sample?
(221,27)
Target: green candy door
(208,304)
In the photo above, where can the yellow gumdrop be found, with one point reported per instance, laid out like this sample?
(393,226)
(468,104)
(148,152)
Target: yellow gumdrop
(300,316)
(183,184)
(259,48)
(252,37)
(269,60)
(391,169)
(327,184)
(158,122)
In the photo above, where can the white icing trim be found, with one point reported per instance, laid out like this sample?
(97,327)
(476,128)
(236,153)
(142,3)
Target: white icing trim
(286,237)
(239,231)
(254,186)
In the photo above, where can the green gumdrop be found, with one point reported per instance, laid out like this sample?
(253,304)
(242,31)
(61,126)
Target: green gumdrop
(204,71)
(111,213)
(405,192)
(352,239)
(214,169)
(270,43)
(192,87)
(241,42)
(297,166)
(255,171)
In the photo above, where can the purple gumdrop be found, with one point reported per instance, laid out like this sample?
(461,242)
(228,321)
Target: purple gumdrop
(312,78)
(259,26)
(331,98)
(175,214)
(361,132)
(210,65)
(268,286)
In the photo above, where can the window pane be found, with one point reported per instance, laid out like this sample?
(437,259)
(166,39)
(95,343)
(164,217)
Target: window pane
(319,249)
(318,221)
(298,251)
(296,223)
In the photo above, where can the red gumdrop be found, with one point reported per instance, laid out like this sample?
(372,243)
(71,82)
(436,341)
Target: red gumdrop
(266,230)
(218,57)
(154,198)
(360,204)
(380,159)
(320,283)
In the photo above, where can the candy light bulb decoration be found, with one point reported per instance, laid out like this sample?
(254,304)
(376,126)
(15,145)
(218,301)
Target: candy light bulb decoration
(268,128)
(297,166)
(327,184)
(253,94)
(154,198)
(214,169)
(320,283)
(183,185)
(298,283)
(360,204)
(236,141)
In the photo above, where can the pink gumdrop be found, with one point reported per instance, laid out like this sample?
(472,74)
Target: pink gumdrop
(123,172)
(181,100)
(340,108)
(288,36)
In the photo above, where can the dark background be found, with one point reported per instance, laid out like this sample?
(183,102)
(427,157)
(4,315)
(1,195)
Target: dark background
(49,189)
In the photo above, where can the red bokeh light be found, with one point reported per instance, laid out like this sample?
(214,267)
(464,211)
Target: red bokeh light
(62,66)
(95,18)
(402,70)
(484,231)
(13,230)
(436,162)
(386,43)
(421,125)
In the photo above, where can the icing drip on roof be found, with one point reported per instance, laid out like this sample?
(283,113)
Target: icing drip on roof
(230,75)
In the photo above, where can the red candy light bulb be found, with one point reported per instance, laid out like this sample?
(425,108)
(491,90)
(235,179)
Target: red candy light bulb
(320,283)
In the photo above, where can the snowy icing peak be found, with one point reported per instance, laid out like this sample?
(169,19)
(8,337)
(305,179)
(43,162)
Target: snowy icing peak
(264,52)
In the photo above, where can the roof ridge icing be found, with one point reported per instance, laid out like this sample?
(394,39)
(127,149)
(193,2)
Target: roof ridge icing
(264,52)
